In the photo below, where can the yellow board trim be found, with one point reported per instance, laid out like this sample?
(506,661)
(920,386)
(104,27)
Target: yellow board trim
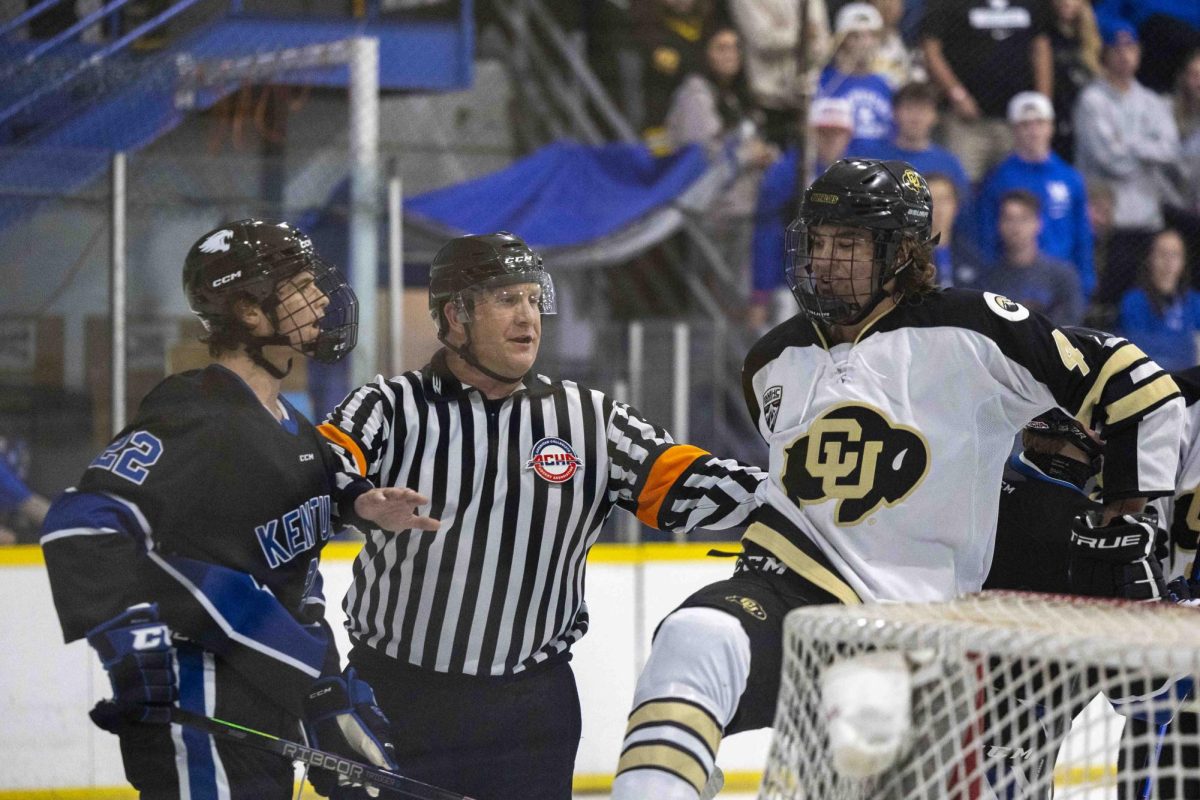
(660,755)
(685,714)
(801,563)
(1142,398)
(24,555)
(21,555)
(1125,357)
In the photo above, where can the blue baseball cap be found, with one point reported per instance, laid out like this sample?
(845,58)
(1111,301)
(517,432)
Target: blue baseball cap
(1119,32)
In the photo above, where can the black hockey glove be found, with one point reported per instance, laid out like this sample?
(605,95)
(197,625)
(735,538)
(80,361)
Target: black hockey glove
(1118,559)
(340,716)
(135,648)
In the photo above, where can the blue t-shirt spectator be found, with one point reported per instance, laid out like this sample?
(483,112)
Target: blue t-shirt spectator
(1047,285)
(1136,11)
(1166,329)
(1066,229)
(934,159)
(776,208)
(13,491)
(870,96)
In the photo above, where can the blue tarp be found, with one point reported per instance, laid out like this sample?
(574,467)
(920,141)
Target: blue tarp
(565,195)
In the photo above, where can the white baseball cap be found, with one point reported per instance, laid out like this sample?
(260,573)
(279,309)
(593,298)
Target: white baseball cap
(831,112)
(858,17)
(1027,106)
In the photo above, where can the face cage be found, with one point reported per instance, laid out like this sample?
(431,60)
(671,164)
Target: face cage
(465,301)
(338,322)
(822,305)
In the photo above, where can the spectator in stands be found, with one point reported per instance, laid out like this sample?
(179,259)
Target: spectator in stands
(1187,105)
(21,509)
(1066,232)
(1027,275)
(1101,204)
(669,36)
(1075,43)
(915,114)
(1186,100)
(1162,314)
(895,60)
(981,54)
(1169,28)
(851,73)
(714,108)
(831,125)
(1125,135)
(957,260)
(770,33)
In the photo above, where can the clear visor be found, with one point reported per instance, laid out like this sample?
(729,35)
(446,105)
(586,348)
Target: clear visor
(534,290)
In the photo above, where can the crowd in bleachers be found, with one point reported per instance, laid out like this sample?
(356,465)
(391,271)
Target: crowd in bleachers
(1065,166)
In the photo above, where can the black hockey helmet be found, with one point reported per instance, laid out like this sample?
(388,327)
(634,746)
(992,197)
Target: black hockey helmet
(471,263)
(888,199)
(250,259)
(1057,424)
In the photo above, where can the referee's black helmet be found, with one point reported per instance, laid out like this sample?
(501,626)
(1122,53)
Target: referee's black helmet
(476,262)
(249,259)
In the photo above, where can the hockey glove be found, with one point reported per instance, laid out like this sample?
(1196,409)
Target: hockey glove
(135,648)
(340,716)
(1117,559)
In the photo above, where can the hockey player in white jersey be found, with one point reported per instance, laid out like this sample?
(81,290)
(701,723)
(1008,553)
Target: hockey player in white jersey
(889,407)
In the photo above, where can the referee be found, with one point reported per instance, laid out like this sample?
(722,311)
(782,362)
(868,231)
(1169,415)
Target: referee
(465,633)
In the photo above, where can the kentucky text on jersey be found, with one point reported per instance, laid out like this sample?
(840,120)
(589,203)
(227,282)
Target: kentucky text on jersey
(296,531)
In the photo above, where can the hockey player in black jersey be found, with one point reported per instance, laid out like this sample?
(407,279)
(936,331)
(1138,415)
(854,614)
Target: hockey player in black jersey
(187,554)
(889,407)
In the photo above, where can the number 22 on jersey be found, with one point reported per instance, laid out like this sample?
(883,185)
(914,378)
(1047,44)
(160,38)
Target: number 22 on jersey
(131,456)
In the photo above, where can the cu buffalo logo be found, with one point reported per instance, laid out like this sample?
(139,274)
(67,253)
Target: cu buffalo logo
(912,180)
(853,454)
(554,460)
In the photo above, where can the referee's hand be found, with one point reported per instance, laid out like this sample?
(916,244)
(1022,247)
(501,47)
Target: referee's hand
(394,509)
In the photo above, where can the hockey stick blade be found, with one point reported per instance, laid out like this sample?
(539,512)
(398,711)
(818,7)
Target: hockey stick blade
(354,771)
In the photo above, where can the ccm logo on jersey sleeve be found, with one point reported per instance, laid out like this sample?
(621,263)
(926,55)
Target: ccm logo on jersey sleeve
(855,455)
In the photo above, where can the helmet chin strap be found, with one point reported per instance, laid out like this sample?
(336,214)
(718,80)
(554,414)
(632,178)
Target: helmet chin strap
(254,351)
(255,344)
(466,354)
(876,297)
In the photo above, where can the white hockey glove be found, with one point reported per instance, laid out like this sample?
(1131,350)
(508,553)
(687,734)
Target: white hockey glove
(867,705)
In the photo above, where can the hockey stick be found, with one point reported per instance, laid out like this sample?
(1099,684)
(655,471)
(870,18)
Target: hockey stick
(352,770)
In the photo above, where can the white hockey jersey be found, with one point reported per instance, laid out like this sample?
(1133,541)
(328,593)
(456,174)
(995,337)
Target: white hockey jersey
(1179,513)
(888,453)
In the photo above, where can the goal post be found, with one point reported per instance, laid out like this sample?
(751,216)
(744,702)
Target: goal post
(998,679)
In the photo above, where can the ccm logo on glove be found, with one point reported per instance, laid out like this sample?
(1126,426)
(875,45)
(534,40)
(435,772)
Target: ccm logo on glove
(150,638)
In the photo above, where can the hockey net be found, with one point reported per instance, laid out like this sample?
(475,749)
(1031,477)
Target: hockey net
(998,679)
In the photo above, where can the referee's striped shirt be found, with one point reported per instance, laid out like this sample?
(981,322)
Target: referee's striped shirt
(522,486)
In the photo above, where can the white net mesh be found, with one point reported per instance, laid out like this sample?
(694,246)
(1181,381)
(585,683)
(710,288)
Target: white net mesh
(998,678)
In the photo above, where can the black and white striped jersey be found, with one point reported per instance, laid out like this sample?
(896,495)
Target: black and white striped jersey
(888,452)
(521,485)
